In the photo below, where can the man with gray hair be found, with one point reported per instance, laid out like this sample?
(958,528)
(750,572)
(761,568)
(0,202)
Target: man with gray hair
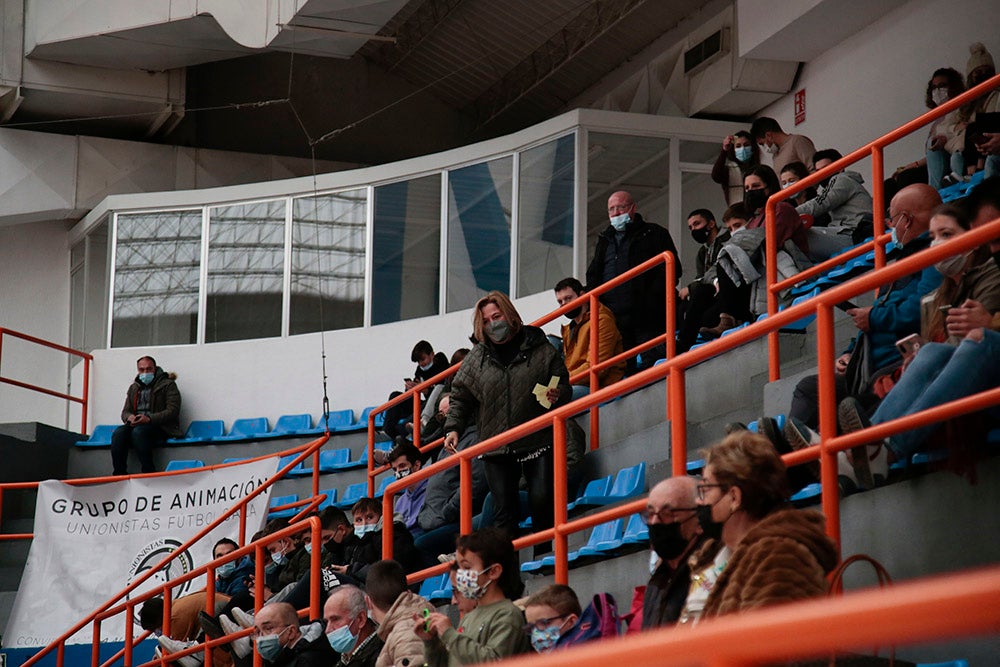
(281,642)
(674,534)
(349,630)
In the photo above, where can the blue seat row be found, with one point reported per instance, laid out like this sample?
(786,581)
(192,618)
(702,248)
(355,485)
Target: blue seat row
(352,494)
(604,540)
(254,428)
(436,589)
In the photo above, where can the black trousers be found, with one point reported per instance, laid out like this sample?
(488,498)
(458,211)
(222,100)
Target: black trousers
(503,475)
(143,438)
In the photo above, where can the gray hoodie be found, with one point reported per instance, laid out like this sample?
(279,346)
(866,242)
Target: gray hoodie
(844,199)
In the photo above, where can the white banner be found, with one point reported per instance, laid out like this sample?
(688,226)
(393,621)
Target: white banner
(90,542)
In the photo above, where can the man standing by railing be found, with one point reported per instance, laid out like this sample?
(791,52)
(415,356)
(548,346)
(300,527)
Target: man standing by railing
(151,415)
(639,304)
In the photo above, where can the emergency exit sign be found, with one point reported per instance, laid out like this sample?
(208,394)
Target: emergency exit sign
(800,106)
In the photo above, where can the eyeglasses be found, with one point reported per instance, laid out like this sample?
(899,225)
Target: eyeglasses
(542,623)
(701,489)
(894,220)
(665,514)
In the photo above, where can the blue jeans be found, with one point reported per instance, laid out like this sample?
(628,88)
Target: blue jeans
(940,373)
(143,438)
(580,390)
(942,162)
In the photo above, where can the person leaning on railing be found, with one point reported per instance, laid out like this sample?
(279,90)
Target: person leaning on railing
(760,550)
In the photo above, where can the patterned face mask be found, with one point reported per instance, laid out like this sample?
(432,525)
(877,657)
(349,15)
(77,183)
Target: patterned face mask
(545,639)
(467,583)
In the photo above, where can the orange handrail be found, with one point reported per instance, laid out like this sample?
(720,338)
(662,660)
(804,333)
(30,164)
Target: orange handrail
(944,607)
(673,369)
(594,368)
(874,149)
(88,359)
(95,617)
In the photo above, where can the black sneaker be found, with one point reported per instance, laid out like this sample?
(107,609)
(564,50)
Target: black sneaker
(852,418)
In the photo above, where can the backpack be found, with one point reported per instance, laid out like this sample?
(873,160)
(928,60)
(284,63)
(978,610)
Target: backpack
(599,619)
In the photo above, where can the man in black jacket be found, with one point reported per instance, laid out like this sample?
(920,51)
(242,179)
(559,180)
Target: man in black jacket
(151,415)
(639,304)
(281,642)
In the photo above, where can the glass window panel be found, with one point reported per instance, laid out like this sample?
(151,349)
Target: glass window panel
(96,314)
(545,215)
(479,214)
(639,165)
(328,262)
(156,279)
(406,249)
(246,247)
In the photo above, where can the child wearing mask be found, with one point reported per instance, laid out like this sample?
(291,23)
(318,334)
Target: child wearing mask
(550,614)
(487,572)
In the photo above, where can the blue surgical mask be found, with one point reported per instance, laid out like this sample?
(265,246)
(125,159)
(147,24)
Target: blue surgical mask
(743,153)
(309,547)
(619,221)
(425,368)
(226,569)
(341,639)
(269,646)
(146,378)
(544,640)
(279,558)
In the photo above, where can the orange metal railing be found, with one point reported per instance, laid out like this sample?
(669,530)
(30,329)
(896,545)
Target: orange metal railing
(83,400)
(673,370)
(594,367)
(948,607)
(873,149)
(121,600)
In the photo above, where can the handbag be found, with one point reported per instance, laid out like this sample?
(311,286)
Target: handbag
(858,374)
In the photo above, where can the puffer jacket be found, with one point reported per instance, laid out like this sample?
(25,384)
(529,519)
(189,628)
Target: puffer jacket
(442,500)
(402,645)
(784,558)
(844,199)
(164,404)
(499,397)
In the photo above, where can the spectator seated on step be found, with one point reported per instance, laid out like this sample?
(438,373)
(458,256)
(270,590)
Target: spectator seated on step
(151,415)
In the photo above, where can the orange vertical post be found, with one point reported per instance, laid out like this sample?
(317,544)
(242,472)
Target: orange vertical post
(677,412)
(465,496)
(595,419)
(86,396)
(561,541)
(771,269)
(878,204)
(416,419)
(371,452)
(827,419)
(95,651)
(670,269)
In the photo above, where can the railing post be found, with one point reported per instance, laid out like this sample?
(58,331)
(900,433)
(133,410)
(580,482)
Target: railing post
(86,398)
(416,418)
(771,271)
(465,496)
(595,418)
(387,527)
(670,343)
(371,453)
(95,651)
(315,472)
(677,413)
(878,204)
(129,625)
(561,541)
(315,564)
(827,419)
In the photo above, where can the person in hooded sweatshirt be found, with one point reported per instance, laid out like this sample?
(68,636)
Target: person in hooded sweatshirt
(843,197)
(151,415)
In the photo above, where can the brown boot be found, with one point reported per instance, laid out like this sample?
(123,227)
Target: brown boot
(726,322)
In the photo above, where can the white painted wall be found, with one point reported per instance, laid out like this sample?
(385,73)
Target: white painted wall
(271,377)
(34,299)
(875,80)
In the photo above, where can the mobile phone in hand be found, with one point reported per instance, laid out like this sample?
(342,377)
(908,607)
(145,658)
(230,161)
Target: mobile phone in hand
(910,345)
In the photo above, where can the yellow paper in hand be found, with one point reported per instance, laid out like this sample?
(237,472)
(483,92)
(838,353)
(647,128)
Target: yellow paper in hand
(540,391)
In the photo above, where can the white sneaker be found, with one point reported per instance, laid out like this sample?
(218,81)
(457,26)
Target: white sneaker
(243,646)
(176,645)
(242,617)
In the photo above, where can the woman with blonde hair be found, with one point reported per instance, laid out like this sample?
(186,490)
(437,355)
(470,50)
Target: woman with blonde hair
(763,551)
(494,389)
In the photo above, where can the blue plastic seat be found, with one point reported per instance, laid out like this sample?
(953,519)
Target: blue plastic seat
(604,538)
(246,429)
(949,663)
(386,481)
(429,585)
(277,501)
(101,437)
(629,483)
(443,592)
(333,459)
(292,425)
(593,493)
(201,431)
(807,494)
(800,325)
(234,459)
(636,531)
(331,499)
(337,419)
(352,494)
(184,464)
(694,466)
(300,469)
(363,459)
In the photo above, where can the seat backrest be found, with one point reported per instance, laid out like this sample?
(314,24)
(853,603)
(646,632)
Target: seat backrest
(277,501)
(635,528)
(102,433)
(285,460)
(605,532)
(630,481)
(184,464)
(250,427)
(354,492)
(292,423)
(203,430)
(598,487)
(386,481)
(338,418)
(331,498)
(329,457)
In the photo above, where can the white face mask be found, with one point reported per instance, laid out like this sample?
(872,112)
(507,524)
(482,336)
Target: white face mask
(770,149)
(427,367)
(939,96)
(950,267)
(619,221)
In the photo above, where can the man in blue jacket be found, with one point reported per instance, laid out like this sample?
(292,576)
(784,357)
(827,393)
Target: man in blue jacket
(895,313)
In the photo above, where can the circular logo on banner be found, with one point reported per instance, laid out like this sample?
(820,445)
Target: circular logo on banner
(149,556)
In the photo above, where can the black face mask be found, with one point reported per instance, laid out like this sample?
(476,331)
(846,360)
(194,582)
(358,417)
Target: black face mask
(996,259)
(666,540)
(710,527)
(755,199)
(573,314)
(701,234)
(826,182)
